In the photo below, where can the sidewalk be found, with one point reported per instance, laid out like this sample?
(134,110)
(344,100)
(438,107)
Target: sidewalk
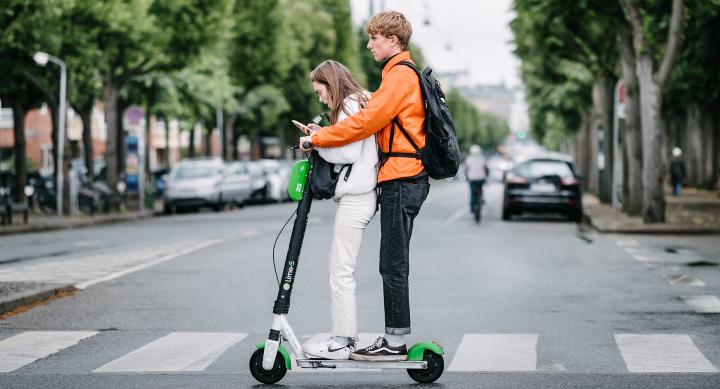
(695,212)
(37,222)
(22,295)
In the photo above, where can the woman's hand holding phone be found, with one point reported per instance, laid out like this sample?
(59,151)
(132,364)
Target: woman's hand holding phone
(305,129)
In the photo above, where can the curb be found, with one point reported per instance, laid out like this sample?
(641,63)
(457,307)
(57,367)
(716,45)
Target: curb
(656,229)
(29,228)
(26,298)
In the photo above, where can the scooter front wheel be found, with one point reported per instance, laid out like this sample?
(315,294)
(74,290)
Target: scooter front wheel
(267,376)
(435,366)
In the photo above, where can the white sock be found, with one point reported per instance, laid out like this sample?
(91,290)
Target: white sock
(395,340)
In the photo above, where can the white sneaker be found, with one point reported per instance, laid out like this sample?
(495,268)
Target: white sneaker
(329,348)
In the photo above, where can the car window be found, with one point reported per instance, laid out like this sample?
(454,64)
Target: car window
(544,168)
(239,168)
(196,171)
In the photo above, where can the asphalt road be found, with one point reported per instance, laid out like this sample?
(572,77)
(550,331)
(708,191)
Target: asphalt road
(532,303)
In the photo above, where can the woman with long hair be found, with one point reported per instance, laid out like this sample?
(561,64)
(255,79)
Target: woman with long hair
(356,204)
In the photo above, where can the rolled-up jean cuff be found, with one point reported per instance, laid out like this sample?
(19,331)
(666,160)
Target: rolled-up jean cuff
(397,331)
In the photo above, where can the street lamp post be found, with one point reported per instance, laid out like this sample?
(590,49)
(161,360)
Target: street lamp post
(42,58)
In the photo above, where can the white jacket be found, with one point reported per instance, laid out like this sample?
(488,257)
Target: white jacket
(362,154)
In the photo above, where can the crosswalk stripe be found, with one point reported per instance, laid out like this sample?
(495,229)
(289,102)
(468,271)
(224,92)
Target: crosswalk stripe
(703,303)
(496,352)
(661,353)
(27,347)
(364,340)
(177,351)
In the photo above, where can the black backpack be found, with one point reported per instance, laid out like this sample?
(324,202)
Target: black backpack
(325,176)
(441,154)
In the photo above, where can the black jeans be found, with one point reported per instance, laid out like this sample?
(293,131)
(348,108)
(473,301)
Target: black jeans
(399,202)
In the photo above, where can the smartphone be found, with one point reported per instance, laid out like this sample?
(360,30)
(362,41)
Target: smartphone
(302,127)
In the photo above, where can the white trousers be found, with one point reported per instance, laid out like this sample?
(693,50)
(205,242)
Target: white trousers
(354,212)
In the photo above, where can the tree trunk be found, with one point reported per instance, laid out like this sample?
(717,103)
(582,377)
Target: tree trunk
(19,148)
(591,175)
(632,141)
(191,143)
(602,123)
(207,132)
(235,139)
(716,146)
(692,152)
(167,141)
(654,169)
(120,143)
(86,116)
(708,139)
(111,118)
(230,146)
(148,135)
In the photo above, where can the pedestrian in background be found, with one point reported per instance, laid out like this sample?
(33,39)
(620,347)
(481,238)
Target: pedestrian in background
(476,172)
(677,171)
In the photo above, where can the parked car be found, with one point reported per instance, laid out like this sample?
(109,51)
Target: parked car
(258,179)
(543,184)
(237,186)
(277,175)
(194,183)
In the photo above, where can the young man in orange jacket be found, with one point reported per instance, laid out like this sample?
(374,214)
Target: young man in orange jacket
(402,181)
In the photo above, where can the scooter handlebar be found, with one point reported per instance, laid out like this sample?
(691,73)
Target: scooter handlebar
(307,145)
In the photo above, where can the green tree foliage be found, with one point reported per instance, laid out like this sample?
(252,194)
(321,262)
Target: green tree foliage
(473,126)
(310,39)
(564,48)
(690,80)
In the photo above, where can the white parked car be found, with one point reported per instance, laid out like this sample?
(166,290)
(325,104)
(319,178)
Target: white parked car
(237,187)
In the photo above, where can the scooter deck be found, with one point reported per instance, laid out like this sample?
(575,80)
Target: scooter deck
(351,364)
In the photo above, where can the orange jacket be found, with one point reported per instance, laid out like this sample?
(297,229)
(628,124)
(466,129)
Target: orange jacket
(399,95)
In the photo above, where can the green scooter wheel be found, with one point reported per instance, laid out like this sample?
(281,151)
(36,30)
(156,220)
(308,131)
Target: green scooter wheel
(435,366)
(267,376)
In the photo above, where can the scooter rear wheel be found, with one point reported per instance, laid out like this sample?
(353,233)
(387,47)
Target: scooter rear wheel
(434,370)
(267,376)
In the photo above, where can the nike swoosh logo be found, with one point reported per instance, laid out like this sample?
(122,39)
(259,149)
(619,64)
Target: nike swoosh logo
(337,349)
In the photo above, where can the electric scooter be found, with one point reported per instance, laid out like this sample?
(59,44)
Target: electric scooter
(271,360)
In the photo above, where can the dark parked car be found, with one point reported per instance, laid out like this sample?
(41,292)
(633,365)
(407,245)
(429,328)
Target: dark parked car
(543,184)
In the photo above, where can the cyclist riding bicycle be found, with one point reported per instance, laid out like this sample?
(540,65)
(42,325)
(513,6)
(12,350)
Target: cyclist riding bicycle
(476,172)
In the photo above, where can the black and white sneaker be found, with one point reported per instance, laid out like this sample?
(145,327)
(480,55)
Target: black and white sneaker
(381,350)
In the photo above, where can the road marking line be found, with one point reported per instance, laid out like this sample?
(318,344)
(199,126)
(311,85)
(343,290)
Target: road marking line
(496,352)
(703,303)
(28,347)
(645,258)
(161,259)
(635,250)
(627,242)
(661,353)
(684,280)
(365,339)
(177,351)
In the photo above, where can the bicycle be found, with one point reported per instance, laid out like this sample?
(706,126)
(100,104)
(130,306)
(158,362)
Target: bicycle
(477,200)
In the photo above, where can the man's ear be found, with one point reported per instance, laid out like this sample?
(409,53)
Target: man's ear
(394,40)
